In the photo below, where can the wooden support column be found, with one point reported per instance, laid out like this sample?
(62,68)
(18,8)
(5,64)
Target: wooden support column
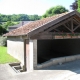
(24,67)
(72,25)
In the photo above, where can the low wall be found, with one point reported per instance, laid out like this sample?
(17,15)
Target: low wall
(58,61)
(15,47)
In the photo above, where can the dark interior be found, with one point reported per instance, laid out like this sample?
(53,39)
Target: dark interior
(47,49)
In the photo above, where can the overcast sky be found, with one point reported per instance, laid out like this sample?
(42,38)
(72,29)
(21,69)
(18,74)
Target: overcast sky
(30,6)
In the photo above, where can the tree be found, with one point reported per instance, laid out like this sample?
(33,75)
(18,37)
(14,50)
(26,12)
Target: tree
(55,10)
(7,24)
(78,5)
(74,5)
(2,30)
(18,17)
(34,17)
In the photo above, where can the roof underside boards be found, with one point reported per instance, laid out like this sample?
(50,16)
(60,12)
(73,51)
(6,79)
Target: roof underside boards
(42,25)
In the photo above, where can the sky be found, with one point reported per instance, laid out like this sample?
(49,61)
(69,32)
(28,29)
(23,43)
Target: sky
(31,7)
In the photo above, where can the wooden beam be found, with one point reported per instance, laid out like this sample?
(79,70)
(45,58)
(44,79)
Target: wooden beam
(51,35)
(67,27)
(67,24)
(72,25)
(77,13)
(43,36)
(75,21)
(76,27)
(54,33)
(57,25)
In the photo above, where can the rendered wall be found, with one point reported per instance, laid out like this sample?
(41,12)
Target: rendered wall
(15,47)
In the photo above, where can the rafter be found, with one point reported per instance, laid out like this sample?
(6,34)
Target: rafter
(68,24)
(57,25)
(75,21)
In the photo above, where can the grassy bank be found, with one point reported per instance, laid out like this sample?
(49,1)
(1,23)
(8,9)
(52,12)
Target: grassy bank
(4,57)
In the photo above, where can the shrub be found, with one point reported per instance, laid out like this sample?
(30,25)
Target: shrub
(3,41)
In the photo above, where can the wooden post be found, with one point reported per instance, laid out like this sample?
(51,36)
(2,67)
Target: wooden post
(72,25)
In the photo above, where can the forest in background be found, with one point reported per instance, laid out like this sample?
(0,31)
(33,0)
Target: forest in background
(18,17)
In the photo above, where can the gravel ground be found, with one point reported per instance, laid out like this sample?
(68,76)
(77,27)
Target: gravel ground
(67,71)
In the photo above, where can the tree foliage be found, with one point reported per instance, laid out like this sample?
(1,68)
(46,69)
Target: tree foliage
(4,26)
(74,5)
(8,23)
(55,10)
(2,30)
(9,20)
(18,17)
(78,2)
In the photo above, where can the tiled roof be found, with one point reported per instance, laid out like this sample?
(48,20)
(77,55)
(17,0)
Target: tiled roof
(27,28)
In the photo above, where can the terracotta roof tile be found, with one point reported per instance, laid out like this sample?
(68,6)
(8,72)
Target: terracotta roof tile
(25,29)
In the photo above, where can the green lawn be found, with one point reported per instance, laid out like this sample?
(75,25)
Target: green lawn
(4,57)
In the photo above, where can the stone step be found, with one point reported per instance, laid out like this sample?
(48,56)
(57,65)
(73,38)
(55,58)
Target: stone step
(17,67)
(21,70)
(17,71)
(14,64)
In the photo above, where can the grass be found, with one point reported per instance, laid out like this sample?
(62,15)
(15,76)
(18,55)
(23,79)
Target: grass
(4,57)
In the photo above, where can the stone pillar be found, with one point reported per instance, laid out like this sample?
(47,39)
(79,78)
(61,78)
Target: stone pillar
(32,55)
